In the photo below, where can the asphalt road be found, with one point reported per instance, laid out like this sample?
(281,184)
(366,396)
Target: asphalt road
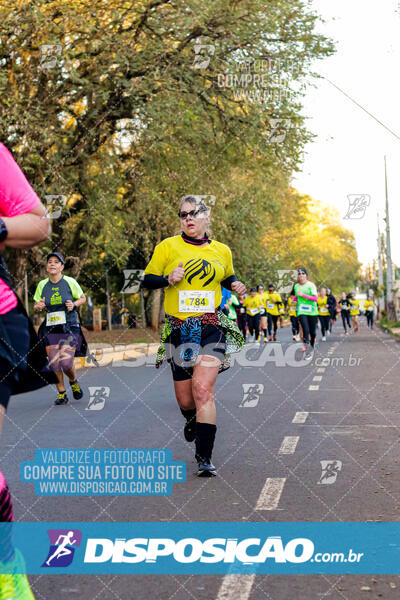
(342,407)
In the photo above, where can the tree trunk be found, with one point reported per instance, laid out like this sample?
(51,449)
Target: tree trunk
(391,313)
(17,261)
(155,309)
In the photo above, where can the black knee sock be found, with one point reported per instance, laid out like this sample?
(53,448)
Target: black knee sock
(189,414)
(205,436)
(265,333)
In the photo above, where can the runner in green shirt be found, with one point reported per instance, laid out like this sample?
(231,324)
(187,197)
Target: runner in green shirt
(306,294)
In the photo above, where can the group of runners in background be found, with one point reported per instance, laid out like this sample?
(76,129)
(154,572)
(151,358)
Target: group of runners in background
(260,313)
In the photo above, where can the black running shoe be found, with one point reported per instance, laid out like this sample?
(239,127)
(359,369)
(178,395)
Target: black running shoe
(189,430)
(62,398)
(76,389)
(206,468)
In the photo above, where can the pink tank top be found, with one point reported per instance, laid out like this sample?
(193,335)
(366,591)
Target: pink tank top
(16,198)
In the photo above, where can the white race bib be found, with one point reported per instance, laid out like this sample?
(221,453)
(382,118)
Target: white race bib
(305,307)
(269,305)
(323,310)
(196,301)
(56,318)
(242,310)
(253,311)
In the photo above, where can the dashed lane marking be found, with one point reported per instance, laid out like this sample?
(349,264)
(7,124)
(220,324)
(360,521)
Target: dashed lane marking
(236,586)
(270,495)
(288,445)
(300,417)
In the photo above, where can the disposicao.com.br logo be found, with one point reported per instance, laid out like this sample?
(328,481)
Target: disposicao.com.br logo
(247,551)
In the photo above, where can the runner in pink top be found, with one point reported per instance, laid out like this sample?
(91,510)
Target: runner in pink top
(16,198)
(23,224)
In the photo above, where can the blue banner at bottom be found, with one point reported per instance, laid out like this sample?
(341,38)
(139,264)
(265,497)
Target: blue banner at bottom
(203,548)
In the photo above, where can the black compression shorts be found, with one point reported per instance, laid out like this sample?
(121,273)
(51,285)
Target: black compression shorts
(212,344)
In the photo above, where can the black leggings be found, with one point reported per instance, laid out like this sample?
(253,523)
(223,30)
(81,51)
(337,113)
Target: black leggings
(324,320)
(370,317)
(253,323)
(272,320)
(345,319)
(241,319)
(295,324)
(309,326)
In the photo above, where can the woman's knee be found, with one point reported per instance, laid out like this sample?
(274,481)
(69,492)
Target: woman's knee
(203,392)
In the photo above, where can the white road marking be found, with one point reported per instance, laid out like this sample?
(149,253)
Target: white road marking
(321,369)
(313,388)
(317,378)
(289,444)
(300,417)
(270,495)
(236,586)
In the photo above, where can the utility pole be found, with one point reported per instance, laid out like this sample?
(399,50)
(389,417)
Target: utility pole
(389,269)
(381,303)
(108,300)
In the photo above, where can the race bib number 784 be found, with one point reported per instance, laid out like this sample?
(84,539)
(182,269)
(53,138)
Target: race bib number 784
(196,301)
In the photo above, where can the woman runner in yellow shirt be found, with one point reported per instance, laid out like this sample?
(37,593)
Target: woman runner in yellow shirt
(263,312)
(196,337)
(253,304)
(274,301)
(369,312)
(323,312)
(292,311)
(354,310)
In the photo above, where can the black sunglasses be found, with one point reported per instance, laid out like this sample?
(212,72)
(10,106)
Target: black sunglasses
(193,213)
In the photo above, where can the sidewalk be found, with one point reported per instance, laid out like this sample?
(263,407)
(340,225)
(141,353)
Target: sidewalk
(395,331)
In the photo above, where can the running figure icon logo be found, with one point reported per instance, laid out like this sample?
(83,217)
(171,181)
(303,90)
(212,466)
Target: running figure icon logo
(54,205)
(357,205)
(330,470)
(132,281)
(50,55)
(278,131)
(202,55)
(98,396)
(251,394)
(287,277)
(63,543)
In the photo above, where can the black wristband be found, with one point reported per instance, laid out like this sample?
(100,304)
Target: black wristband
(3,230)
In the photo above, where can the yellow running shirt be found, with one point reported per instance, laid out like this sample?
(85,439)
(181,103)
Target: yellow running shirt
(272,307)
(292,307)
(354,310)
(264,299)
(368,305)
(323,309)
(253,304)
(205,268)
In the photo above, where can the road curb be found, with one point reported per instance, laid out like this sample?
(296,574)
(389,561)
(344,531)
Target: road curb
(106,355)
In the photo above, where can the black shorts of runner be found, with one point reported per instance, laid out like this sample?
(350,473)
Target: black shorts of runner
(212,344)
(15,325)
(57,336)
